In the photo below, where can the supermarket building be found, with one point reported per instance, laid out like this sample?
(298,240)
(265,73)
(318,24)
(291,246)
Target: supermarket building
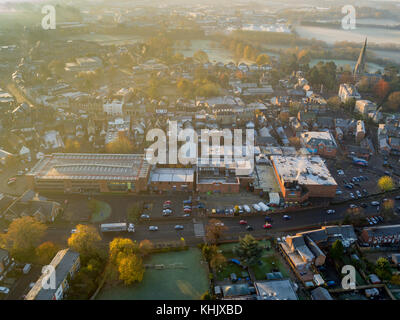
(86,173)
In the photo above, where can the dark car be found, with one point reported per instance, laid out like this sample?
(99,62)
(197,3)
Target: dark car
(268,219)
(364,205)
(249,228)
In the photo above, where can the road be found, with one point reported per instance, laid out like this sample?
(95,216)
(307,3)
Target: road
(194,227)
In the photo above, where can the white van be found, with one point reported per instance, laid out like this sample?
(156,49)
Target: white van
(246,208)
(27,268)
(257,207)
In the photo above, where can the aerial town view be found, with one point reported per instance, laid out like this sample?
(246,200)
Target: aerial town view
(226,150)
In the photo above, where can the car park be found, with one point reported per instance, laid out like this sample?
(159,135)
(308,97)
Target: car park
(153,228)
(178,227)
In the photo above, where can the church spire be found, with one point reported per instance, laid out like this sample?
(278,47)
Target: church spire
(360,66)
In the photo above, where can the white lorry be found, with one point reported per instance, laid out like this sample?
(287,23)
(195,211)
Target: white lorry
(117,227)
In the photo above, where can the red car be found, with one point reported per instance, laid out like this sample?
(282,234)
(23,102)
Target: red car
(167,202)
(267,226)
(187,210)
(242,222)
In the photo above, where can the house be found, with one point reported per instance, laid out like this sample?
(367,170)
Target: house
(283,289)
(320,293)
(31,204)
(348,91)
(365,107)
(381,235)
(360,131)
(64,266)
(5,262)
(321,143)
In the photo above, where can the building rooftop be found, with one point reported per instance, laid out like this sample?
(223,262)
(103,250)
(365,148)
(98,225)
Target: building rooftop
(62,263)
(172,175)
(86,166)
(275,290)
(306,170)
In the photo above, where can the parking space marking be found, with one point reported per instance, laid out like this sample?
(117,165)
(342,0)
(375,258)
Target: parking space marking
(199,230)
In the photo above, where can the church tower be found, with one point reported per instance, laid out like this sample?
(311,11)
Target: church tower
(359,69)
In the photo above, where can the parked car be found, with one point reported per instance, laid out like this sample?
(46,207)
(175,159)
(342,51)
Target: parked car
(363,205)
(168,202)
(153,228)
(186,215)
(243,222)
(178,227)
(145,216)
(219,224)
(397,197)
(286,217)
(249,228)
(267,226)
(73,231)
(375,203)
(257,207)
(187,201)
(11,181)
(352,195)
(358,193)
(167,211)
(330,211)
(246,208)
(353,206)
(268,219)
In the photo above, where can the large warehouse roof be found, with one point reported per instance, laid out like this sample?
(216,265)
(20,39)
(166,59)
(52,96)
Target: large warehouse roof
(86,166)
(305,170)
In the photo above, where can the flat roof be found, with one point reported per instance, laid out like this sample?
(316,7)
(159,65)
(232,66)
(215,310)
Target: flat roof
(87,166)
(276,290)
(172,175)
(306,170)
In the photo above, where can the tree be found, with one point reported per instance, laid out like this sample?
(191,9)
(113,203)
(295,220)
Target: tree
(215,230)
(23,236)
(382,268)
(248,250)
(382,88)
(200,56)
(131,269)
(394,101)
(145,247)
(85,240)
(121,247)
(46,252)
(334,102)
(120,145)
(213,256)
(72,146)
(386,183)
(337,250)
